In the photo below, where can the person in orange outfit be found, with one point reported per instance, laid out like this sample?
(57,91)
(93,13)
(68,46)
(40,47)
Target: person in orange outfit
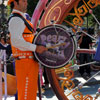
(22,48)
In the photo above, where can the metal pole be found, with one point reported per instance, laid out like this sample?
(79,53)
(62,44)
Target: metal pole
(76,67)
(39,84)
(94,62)
(1,57)
(88,35)
(5,76)
(95,19)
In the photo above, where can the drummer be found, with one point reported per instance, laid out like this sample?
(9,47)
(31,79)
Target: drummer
(22,48)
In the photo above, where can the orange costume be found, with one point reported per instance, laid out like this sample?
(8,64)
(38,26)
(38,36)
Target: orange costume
(26,69)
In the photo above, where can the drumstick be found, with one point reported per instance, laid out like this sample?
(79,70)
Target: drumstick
(56,45)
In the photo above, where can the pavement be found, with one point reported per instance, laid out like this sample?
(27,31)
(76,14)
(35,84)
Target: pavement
(88,81)
(89,87)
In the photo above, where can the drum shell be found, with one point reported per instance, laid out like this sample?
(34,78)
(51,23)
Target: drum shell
(47,36)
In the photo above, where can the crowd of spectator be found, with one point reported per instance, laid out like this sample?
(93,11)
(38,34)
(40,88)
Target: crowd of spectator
(5,45)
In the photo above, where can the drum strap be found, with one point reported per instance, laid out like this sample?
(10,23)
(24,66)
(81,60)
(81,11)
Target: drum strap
(26,23)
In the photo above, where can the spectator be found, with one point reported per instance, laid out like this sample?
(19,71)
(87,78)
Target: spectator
(84,43)
(3,43)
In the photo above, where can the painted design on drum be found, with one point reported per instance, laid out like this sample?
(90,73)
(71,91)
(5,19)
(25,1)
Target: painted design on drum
(50,41)
(60,46)
(55,12)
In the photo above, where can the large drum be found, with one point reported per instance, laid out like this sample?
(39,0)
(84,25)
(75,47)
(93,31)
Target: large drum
(60,43)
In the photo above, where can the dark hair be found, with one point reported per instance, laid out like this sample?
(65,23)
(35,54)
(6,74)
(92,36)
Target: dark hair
(12,4)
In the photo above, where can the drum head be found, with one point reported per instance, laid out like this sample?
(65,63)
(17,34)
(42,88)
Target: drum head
(61,46)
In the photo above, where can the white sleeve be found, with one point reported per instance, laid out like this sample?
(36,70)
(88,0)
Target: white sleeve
(16,29)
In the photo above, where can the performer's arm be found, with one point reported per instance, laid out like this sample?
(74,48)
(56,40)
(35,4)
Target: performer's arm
(16,28)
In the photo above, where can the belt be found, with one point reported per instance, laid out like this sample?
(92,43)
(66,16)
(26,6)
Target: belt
(24,57)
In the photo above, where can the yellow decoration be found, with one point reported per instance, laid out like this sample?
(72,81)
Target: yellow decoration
(11,84)
(78,95)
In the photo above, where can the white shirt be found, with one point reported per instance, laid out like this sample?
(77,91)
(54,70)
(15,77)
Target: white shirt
(16,29)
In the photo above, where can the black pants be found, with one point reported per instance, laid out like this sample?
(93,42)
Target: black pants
(45,77)
(84,58)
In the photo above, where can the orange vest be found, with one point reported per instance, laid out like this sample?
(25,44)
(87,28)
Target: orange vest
(28,37)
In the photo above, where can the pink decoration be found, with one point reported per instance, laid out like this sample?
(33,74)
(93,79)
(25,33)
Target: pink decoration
(90,11)
(37,12)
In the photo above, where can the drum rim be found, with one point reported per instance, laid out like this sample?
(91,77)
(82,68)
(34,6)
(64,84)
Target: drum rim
(73,41)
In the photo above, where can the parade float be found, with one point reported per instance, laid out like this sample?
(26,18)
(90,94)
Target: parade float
(61,40)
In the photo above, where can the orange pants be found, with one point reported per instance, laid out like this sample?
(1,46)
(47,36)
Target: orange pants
(27,79)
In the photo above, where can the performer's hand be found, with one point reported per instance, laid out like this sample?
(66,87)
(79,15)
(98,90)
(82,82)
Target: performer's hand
(41,49)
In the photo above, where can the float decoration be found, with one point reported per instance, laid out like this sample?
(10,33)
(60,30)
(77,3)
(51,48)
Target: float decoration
(58,11)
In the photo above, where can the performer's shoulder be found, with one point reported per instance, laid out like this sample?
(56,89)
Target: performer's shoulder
(15,20)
